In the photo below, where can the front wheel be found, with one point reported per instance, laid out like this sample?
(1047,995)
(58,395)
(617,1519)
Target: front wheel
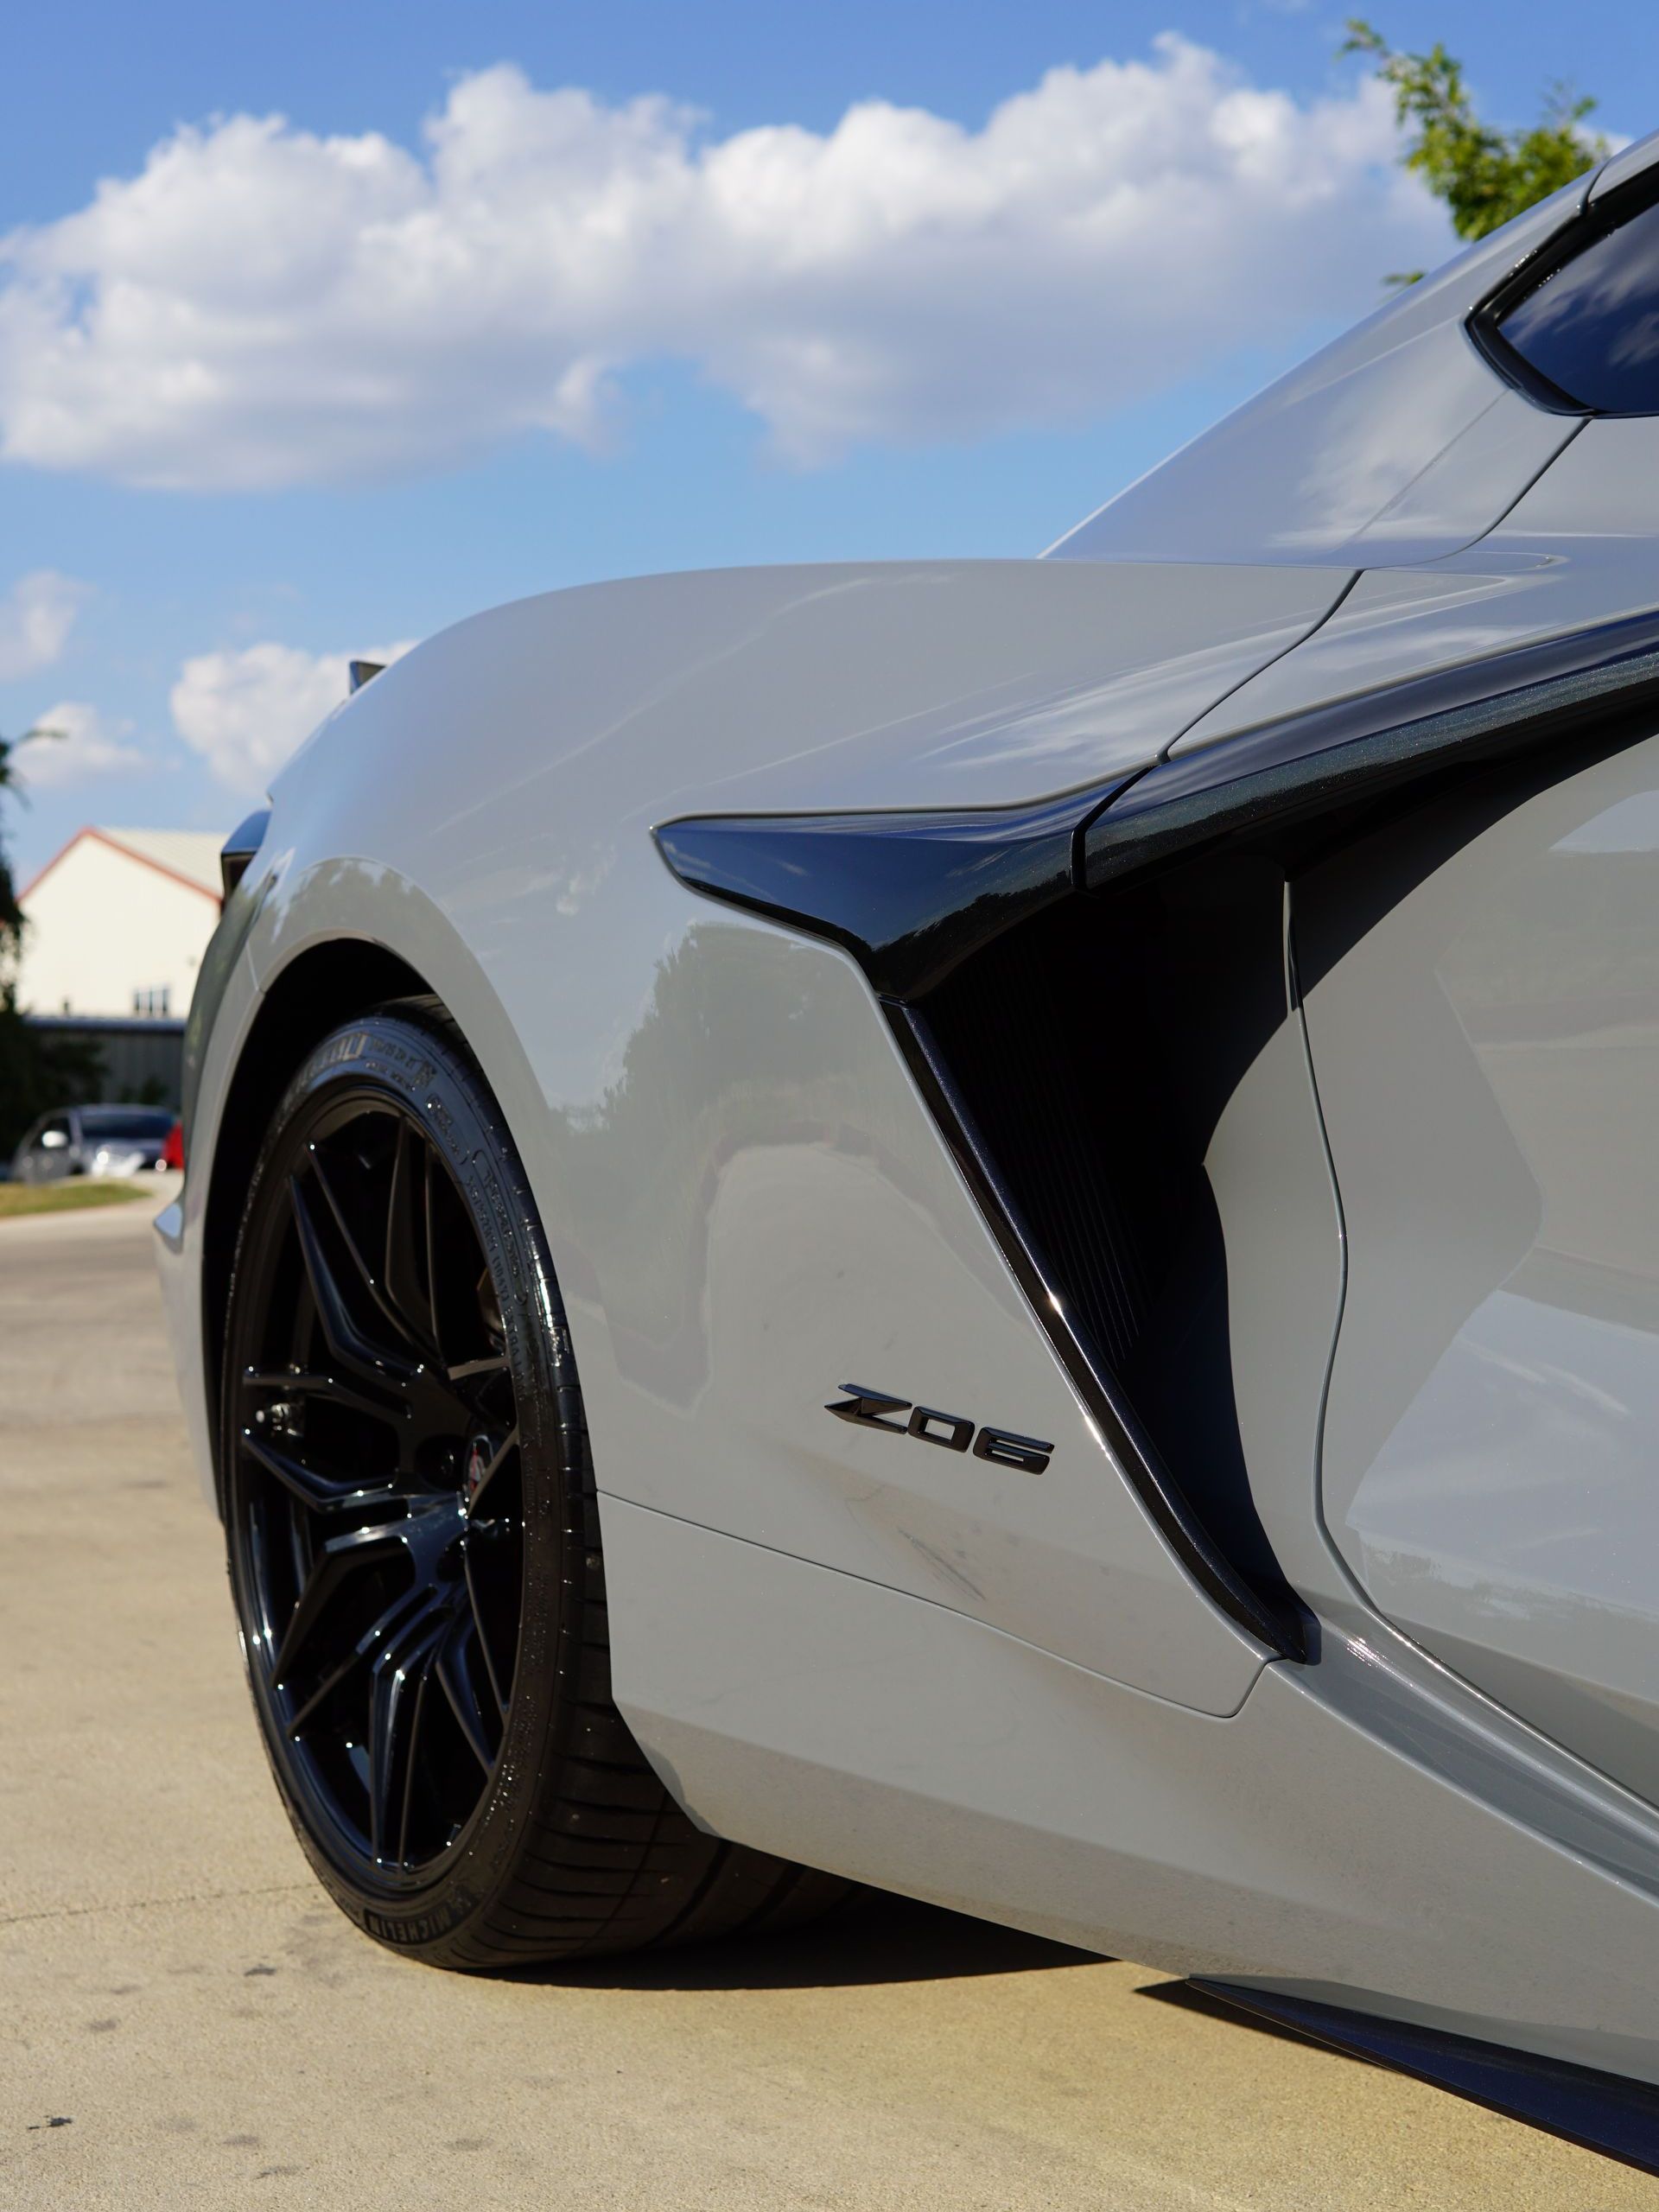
(414,1540)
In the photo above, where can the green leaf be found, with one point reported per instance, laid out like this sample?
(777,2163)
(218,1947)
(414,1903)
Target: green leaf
(1484,175)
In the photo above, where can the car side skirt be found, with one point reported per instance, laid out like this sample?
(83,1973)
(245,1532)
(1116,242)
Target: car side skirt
(1602,2111)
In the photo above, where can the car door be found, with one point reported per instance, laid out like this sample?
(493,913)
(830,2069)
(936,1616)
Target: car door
(1478,962)
(1481,987)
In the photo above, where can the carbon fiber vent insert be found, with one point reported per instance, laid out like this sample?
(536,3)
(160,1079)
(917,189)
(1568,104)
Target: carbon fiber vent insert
(1093,1049)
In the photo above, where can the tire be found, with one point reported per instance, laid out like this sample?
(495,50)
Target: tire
(414,1538)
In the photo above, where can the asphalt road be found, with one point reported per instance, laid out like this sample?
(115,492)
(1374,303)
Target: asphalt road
(186,2022)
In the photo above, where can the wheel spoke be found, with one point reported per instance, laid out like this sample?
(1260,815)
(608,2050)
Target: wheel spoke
(471,1370)
(341,1557)
(502,1451)
(435,1406)
(322,1493)
(399,1616)
(300,1383)
(395,1682)
(384,1305)
(402,1268)
(455,1680)
(345,1340)
(431,1253)
(483,1634)
(411,1764)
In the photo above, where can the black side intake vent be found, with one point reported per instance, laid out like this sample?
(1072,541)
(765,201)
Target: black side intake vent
(1047,1045)
(1088,1054)
(1077,1051)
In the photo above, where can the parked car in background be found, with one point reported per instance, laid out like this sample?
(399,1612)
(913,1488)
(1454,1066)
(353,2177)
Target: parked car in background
(94,1140)
(173,1150)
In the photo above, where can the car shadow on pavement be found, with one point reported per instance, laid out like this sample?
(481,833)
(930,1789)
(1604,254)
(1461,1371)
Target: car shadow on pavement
(874,1938)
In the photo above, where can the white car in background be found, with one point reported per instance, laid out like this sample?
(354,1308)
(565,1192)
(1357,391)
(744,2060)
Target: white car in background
(114,1140)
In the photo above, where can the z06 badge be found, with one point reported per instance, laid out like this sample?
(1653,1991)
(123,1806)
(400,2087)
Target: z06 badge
(953,1432)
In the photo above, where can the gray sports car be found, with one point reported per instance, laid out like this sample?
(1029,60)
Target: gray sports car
(992,1227)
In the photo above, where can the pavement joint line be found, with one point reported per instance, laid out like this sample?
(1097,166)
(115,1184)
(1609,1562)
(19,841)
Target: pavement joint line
(156,1904)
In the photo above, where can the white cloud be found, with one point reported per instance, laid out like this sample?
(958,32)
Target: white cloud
(84,747)
(245,711)
(263,306)
(36,616)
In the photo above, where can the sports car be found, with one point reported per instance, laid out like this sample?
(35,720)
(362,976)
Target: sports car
(992,1227)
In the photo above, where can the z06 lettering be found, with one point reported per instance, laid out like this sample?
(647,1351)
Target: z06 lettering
(952,1432)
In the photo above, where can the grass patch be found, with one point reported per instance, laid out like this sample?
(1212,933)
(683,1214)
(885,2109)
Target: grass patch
(68,1197)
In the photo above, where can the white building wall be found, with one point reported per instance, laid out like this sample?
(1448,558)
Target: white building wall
(102,925)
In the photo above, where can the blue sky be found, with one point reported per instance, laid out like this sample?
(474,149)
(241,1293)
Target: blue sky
(233,460)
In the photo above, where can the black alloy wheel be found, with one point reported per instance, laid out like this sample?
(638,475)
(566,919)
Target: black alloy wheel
(384,1508)
(413,1538)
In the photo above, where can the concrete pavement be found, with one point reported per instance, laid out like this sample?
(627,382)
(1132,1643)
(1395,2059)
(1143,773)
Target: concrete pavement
(186,2022)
